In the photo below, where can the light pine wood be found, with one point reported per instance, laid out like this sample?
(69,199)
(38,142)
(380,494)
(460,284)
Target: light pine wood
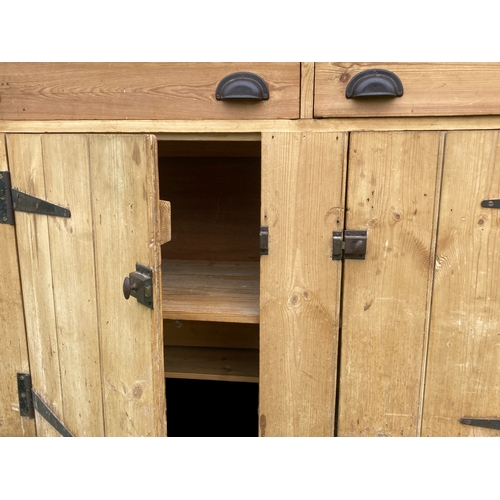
(209,363)
(199,129)
(306,89)
(67,182)
(430,89)
(35,261)
(13,344)
(211,291)
(210,140)
(125,212)
(463,371)
(302,203)
(211,334)
(165,222)
(392,184)
(131,91)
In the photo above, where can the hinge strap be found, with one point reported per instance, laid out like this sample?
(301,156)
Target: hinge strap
(488,423)
(29,401)
(13,200)
(47,414)
(264,240)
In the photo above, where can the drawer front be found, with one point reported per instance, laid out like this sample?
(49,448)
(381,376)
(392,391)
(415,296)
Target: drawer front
(430,89)
(141,91)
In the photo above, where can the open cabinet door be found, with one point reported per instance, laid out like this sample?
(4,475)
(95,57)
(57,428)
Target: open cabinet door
(96,359)
(302,204)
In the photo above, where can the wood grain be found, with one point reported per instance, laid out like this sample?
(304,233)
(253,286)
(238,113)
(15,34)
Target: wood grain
(306,89)
(195,129)
(67,180)
(209,363)
(430,89)
(153,91)
(13,343)
(211,334)
(126,231)
(165,222)
(211,291)
(391,191)
(35,263)
(302,203)
(464,351)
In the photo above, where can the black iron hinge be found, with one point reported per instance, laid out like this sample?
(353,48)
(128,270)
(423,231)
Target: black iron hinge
(29,401)
(349,244)
(488,423)
(13,200)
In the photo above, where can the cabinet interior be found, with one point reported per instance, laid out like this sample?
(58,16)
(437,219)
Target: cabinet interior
(210,274)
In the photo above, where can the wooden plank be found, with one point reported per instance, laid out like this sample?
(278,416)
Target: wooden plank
(208,363)
(165,222)
(430,89)
(211,291)
(306,89)
(67,181)
(392,185)
(13,343)
(126,230)
(35,262)
(234,128)
(464,351)
(211,334)
(132,91)
(302,200)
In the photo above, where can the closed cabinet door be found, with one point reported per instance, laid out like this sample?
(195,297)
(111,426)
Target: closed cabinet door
(405,340)
(392,187)
(96,359)
(462,386)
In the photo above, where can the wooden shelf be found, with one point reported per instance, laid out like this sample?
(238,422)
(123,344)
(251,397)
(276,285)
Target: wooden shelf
(209,363)
(211,291)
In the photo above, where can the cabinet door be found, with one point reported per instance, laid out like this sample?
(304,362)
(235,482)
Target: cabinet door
(302,204)
(95,358)
(392,189)
(463,378)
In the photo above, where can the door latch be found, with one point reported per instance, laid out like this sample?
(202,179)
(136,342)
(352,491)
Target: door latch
(349,244)
(139,284)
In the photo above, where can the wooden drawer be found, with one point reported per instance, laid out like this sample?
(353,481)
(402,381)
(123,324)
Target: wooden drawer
(152,91)
(430,89)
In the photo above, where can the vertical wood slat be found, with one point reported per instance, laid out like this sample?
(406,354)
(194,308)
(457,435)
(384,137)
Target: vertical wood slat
(13,343)
(124,194)
(306,90)
(392,184)
(464,350)
(302,200)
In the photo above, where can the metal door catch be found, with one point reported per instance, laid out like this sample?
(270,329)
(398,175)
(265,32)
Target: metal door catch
(349,244)
(139,284)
